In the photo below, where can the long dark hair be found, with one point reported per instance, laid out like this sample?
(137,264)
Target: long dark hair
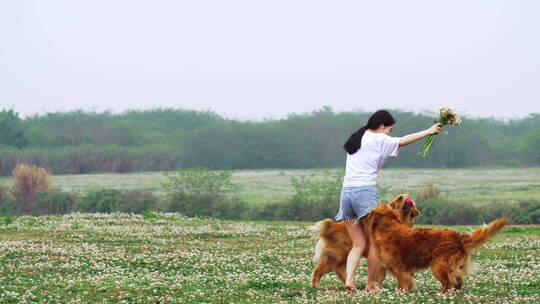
(355,140)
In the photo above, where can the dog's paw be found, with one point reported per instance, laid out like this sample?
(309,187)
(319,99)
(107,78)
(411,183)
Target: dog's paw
(372,288)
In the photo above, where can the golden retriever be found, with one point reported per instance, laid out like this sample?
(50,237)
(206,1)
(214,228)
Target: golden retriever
(334,242)
(405,250)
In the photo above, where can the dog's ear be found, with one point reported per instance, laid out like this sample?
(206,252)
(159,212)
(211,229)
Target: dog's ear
(396,200)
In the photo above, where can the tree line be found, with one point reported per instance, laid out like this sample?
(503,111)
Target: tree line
(166,139)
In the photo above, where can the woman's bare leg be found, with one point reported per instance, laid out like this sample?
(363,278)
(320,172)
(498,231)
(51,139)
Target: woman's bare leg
(356,233)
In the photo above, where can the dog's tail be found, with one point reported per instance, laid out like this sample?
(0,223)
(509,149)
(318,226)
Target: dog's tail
(323,228)
(481,236)
(318,250)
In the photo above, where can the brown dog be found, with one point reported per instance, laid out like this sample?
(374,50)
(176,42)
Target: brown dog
(334,243)
(405,250)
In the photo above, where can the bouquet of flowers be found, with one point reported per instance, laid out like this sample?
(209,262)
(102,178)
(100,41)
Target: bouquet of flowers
(447,116)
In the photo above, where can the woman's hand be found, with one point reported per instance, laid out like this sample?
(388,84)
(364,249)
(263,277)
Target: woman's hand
(435,129)
(409,139)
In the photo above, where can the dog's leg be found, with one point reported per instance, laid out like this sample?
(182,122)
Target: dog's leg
(340,272)
(441,273)
(381,276)
(375,269)
(461,272)
(459,283)
(318,272)
(375,284)
(456,279)
(372,286)
(405,280)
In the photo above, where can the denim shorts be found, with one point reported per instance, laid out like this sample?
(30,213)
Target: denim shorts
(356,202)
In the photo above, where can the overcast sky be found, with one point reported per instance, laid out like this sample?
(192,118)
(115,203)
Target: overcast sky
(253,59)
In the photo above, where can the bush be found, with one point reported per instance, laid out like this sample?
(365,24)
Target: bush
(102,201)
(5,219)
(139,202)
(315,198)
(55,202)
(4,194)
(428,192)
(457,214)
(525,212)
(437,212)
(265,212)
(495,210)
(201,192)
(440,212)
(29,180)
(8,207)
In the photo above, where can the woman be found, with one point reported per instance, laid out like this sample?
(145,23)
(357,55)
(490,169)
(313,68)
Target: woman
(367,149)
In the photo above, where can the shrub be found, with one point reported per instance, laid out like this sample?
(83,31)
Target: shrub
(266,212)
(314,198)
(139,202)
(201,192)
(5,219)
(55,202)
(428,192)
(525,212)
(106,201)
(29,180)
(457,214)
(495,210)
(4,194)
(430,211)
(439,212)
(103,201)
(8,205)
(298,209)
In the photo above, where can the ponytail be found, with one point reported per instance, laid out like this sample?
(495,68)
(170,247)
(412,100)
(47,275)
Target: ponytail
(355,141)
(352,145)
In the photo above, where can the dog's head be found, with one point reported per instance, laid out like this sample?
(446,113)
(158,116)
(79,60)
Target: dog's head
(406,207)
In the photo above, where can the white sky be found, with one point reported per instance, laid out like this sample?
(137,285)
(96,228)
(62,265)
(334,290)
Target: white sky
(253,59)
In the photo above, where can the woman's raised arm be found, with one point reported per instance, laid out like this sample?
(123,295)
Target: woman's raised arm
(409,139)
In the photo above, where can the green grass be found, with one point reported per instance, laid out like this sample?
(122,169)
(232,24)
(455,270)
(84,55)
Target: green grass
(167,258)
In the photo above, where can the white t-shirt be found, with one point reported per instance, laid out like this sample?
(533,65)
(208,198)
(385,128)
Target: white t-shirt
(363,166)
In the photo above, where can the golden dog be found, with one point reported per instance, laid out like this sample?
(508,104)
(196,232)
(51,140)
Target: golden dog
(405,250)
(334,243)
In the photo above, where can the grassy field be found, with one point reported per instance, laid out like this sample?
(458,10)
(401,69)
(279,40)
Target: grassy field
(167,258)
(475,185)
